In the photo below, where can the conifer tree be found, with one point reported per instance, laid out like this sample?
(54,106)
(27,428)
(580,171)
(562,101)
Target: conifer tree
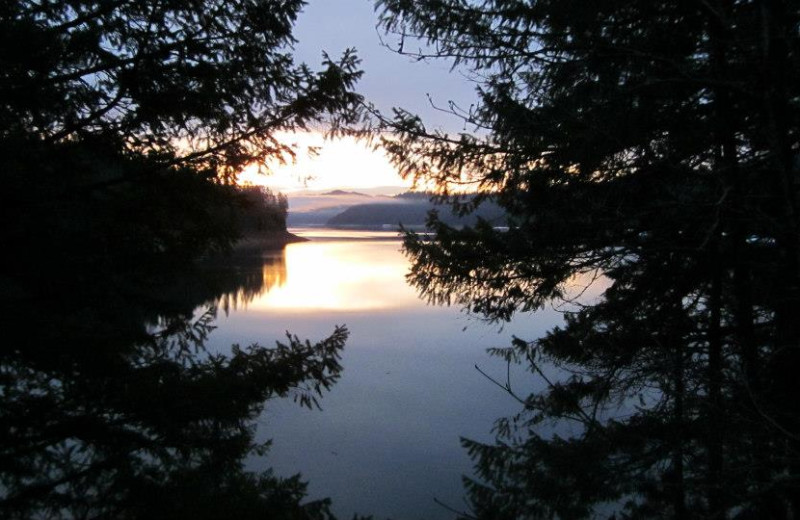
(122,126)
(652,145)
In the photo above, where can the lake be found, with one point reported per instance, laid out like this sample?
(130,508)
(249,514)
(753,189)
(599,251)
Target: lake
(386,441)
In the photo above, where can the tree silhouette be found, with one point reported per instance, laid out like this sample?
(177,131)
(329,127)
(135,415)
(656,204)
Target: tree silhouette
(653,145)
(144,422)
(204,83)
(102,97)
(122,125)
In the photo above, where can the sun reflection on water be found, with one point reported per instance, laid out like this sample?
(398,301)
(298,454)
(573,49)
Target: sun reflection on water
(341,274)
(253,281)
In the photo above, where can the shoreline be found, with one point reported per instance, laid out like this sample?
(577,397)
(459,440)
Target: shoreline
(253,246)
(269,241)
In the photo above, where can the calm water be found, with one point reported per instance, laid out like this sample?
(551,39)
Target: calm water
(387,440)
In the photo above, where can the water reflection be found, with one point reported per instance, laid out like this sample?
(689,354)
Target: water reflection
(112,407)
(247,278)
(387,440)
(350,271)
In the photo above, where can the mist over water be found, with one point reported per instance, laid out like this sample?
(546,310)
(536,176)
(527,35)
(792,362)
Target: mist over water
(386,442)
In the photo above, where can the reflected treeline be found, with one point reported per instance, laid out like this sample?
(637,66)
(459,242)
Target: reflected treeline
(239,279)
(111,407)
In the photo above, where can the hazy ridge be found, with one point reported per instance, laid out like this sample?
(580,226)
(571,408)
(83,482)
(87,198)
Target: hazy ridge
(349,209)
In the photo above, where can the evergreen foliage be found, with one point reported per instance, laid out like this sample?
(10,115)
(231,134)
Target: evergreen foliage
(203,83)
(122,125)
(263,210)
(653,147)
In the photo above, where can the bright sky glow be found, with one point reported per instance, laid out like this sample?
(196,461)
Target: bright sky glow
(390,80)
(344,163)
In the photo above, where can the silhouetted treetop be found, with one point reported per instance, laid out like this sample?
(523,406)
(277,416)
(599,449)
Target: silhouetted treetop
(122,126)
(207,82)
(654,146)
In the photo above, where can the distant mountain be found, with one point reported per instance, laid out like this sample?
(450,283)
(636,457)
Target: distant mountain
(316,209)
(381,215)
(410,211)
(341,193)
(314,217)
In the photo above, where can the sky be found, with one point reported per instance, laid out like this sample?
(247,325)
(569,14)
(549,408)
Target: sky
(389,80)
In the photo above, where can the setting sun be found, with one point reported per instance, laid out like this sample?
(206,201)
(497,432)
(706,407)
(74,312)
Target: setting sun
(323,164)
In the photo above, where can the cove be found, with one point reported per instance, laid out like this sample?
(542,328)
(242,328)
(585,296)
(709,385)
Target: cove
(386,442)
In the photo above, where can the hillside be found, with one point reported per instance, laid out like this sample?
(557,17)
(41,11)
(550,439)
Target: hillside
(410,213)
(315,209)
